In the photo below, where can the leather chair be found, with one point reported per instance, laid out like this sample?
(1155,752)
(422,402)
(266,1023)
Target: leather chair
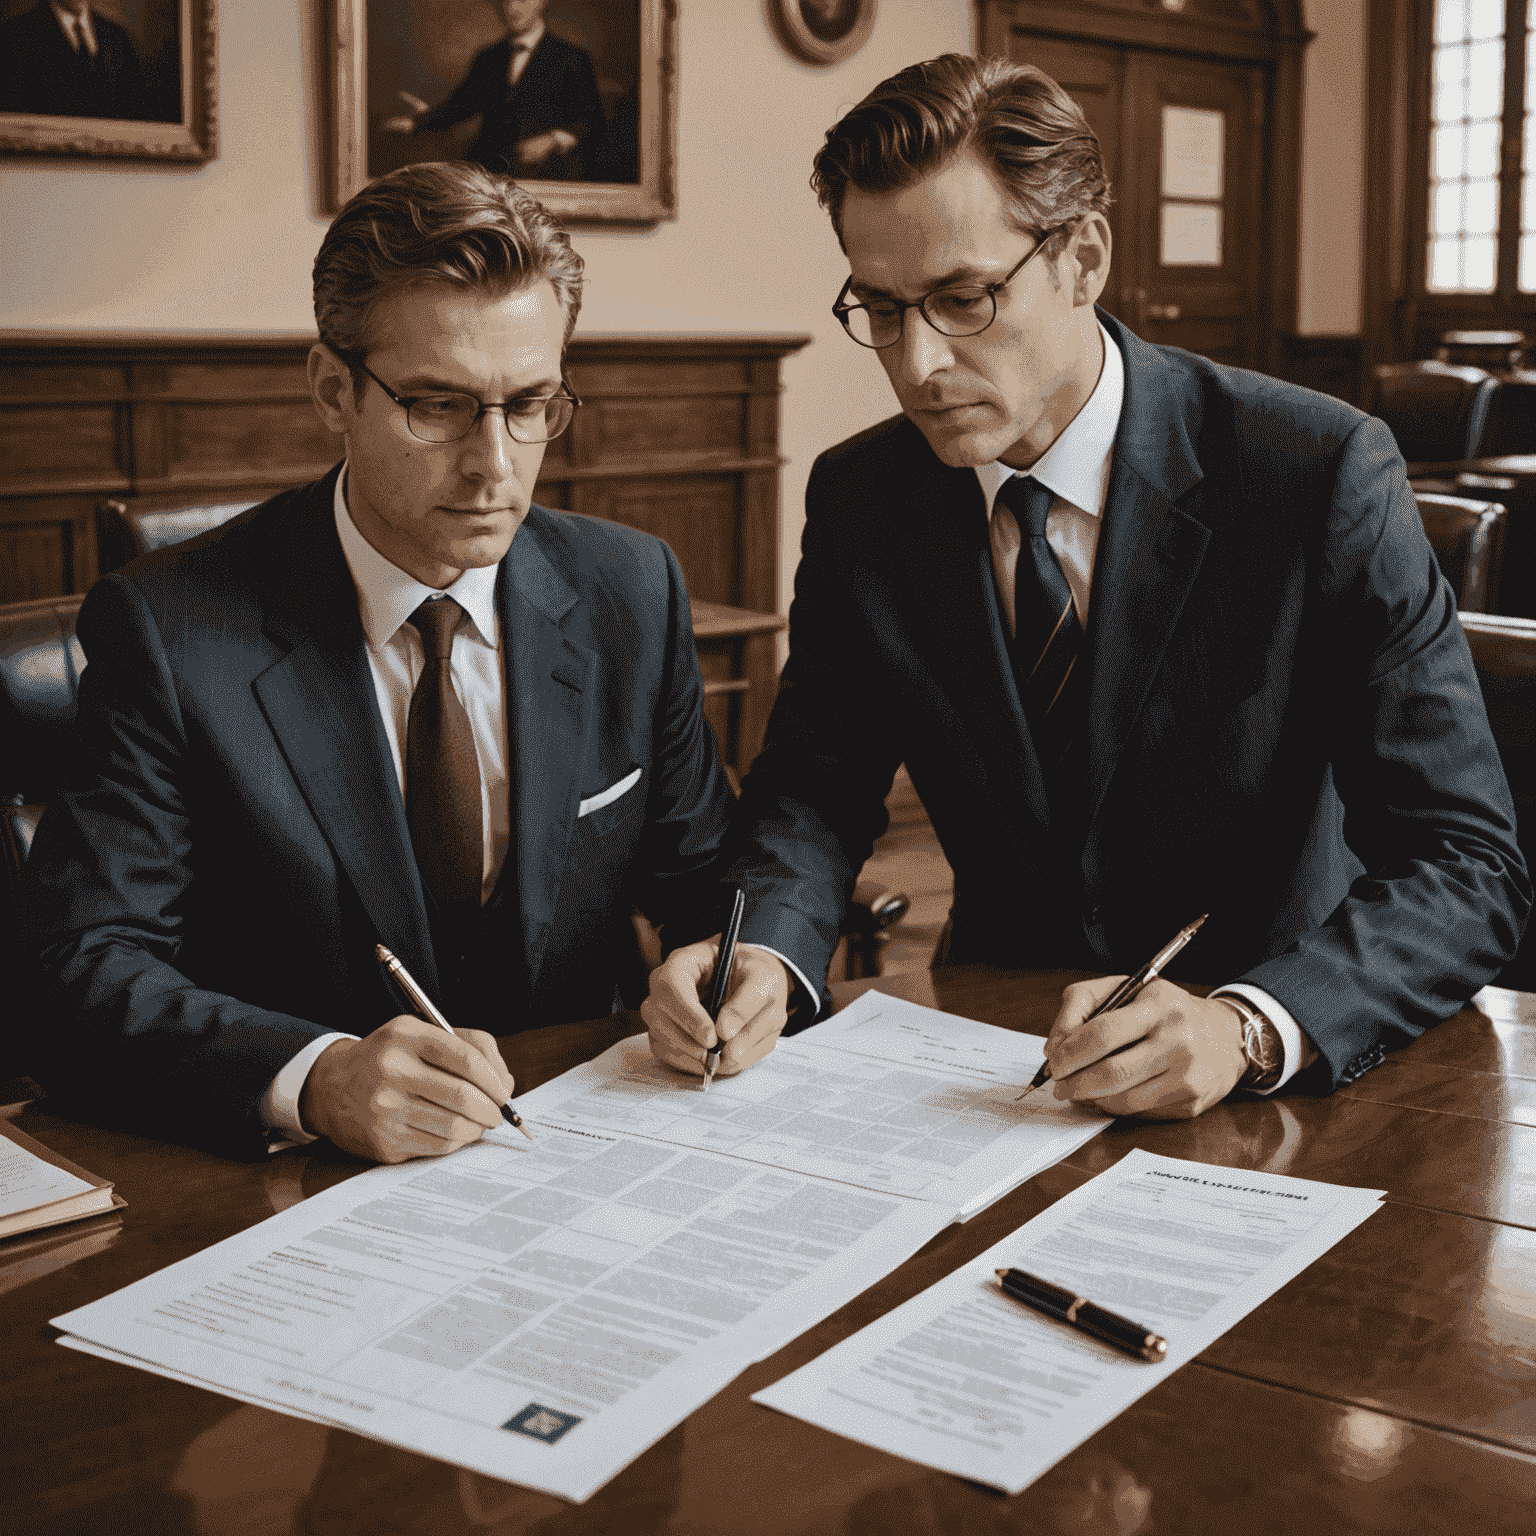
(1504,652)
(1467,537)
(1511,426)
(1437,411)
(125,530)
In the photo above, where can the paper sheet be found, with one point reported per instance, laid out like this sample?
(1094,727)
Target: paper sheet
(28,1181)
(540,1313)
(886,1096)
(965,1379)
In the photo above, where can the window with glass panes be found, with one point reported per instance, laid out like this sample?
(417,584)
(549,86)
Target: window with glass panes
(1481,207)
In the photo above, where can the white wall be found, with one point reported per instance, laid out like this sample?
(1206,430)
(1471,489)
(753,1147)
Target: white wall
(228,246)
(1332,170)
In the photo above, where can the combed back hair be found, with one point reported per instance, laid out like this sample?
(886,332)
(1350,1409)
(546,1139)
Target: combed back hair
(1030,134)
(439,222)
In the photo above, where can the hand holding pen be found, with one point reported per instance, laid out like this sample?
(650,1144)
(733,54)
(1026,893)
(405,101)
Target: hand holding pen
(429,1011)
(1121,997)
(725,963)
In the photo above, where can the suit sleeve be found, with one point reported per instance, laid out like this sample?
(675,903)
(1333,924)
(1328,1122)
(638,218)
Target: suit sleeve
(814,802)
(472,94)
(689,805)
(109,882)
(1444,895)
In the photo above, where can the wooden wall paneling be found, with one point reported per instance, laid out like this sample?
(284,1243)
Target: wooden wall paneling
(678,435)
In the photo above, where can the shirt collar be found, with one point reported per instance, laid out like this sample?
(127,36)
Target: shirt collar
(388,596)
(1074,466)
(527,41)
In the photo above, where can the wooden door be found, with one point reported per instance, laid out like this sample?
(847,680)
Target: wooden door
(1182,143)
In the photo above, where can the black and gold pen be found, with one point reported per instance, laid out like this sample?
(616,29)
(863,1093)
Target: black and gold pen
(1129,989)
(429,1011)
(725,962)
(1058,1302)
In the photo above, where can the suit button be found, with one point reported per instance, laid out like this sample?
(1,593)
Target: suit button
(1092,914)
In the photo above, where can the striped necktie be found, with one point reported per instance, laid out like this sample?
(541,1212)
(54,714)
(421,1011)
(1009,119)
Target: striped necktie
(1048,641)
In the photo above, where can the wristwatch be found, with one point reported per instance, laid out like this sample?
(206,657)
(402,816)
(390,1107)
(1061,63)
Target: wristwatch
(1261,1044)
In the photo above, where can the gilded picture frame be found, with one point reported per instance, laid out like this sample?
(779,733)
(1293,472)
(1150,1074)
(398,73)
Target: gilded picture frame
(824,31)
(392,69)
(146,89)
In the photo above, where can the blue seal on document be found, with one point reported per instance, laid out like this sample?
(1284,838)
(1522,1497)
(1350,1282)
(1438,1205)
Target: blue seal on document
(541,1423)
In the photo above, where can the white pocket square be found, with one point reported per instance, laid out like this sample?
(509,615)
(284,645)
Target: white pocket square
(609,795)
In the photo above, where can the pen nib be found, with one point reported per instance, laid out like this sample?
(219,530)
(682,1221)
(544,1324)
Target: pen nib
(526,1132)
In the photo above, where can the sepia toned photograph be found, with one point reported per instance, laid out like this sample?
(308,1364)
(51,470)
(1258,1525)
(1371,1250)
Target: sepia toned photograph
(571,95)
(124,78)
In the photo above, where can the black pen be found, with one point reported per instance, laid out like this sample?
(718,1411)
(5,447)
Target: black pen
(1107,1327)
(429,1011)
(1129,989)
(724,963)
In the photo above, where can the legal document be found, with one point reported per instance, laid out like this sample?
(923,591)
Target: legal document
(967,1380)
(543,1311)
(886,1096)
(537,1312)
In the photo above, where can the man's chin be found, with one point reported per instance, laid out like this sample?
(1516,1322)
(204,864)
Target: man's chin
(962,449)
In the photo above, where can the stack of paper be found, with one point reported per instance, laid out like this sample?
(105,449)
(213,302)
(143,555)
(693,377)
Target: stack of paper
(544,1311)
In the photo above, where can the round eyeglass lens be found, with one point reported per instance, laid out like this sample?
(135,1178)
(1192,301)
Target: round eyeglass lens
(447,418)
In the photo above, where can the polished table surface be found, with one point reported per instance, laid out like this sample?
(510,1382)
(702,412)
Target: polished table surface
(1390,1388)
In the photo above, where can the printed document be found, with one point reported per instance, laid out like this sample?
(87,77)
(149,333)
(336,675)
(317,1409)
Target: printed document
(886,1096)
(965,1379)
(538,1312)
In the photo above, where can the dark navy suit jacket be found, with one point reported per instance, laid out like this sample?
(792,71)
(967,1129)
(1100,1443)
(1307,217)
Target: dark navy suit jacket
(207,889)
(1285,726)
(557,89)
(40,72)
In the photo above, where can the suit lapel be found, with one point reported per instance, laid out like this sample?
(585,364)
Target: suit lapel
(947,556)
(320,702)
(1149,554)
(550,710)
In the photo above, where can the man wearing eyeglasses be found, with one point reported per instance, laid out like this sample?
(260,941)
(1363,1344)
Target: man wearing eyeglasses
(403,706)
(1154,637)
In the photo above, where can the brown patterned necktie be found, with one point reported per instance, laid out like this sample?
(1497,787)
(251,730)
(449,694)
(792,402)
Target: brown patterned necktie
(1048,641)
(442,773)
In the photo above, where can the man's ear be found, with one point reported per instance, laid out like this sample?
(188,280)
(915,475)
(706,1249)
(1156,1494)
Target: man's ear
(1088,259)
(331,388)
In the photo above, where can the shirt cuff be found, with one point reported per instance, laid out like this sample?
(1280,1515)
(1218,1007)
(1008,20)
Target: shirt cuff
(280,1103)
(813,996)
(1286,1028)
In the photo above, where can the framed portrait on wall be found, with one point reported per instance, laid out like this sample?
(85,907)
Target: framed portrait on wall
(575,98)
(128,79)
(824,31)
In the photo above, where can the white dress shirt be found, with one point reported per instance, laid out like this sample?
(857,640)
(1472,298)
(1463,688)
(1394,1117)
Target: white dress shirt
(1075,469)
(386,598)
(78,29)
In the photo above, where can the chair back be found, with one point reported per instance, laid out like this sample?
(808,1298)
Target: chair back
(125,531)
(1504,653)
(1467,537)
(1437,411)
(1511,426)
(40,665)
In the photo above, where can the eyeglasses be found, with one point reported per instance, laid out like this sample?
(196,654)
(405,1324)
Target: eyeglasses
(446,417)
(966,310)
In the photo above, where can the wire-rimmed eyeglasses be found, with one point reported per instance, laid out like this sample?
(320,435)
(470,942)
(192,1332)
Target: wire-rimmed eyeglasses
(445,416)
(965,309)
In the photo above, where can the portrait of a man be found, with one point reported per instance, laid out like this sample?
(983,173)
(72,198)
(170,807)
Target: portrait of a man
(545,90)
(117,59)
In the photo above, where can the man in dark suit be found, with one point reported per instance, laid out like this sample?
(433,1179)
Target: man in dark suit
(66,60)
(402,705)
(1154,637)
(536,95)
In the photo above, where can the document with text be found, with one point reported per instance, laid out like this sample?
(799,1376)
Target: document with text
(538,1312)
(967,1380)
(886,1096)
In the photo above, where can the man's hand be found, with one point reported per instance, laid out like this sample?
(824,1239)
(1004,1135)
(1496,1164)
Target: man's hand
(536,149)
(751,1021)
(407,1090)
(1177,1054)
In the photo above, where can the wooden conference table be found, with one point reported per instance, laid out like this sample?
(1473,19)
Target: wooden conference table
(1390,1388)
